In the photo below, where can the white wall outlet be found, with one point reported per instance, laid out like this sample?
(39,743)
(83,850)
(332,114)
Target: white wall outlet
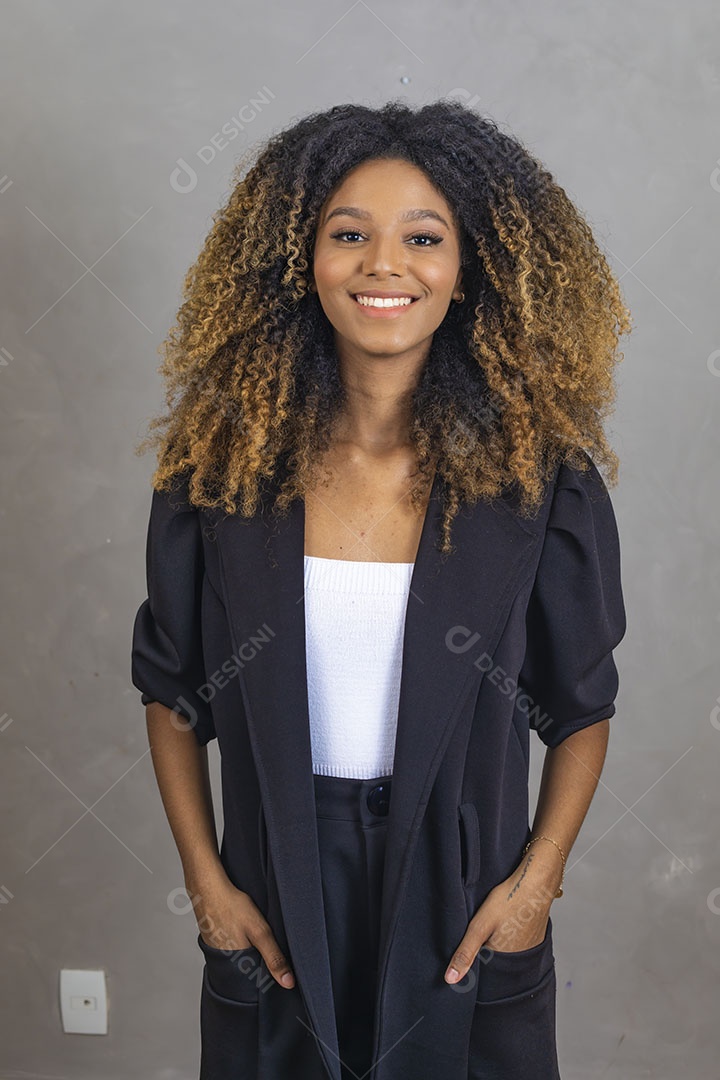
(83,1002)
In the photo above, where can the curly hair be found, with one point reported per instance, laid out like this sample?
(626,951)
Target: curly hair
(517,378)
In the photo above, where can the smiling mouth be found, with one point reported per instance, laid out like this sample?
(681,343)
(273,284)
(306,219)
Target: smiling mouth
(384,302)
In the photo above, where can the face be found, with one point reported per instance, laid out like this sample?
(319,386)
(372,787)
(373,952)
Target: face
(386,230)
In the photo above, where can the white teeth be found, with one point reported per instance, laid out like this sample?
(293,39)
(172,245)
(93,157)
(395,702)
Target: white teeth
(379,301)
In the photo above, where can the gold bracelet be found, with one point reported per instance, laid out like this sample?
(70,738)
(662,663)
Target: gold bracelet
(562,877)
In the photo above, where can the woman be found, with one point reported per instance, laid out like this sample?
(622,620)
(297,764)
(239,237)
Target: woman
(380,552)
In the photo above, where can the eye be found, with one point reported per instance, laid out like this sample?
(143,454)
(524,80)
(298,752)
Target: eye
(346,232)
(432,237)
(428,236)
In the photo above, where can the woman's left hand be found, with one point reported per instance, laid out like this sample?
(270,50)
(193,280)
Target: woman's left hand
(512,917)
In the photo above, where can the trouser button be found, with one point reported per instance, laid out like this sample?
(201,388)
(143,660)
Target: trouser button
(378,799)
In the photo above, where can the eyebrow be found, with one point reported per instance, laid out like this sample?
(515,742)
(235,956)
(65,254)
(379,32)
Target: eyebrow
(409,215)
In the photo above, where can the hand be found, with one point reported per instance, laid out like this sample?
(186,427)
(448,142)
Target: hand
(229,919)
(513,917)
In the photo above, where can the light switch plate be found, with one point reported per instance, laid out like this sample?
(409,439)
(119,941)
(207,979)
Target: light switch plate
(83,1002)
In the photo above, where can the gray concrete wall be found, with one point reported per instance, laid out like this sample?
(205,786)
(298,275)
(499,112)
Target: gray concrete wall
(100,103)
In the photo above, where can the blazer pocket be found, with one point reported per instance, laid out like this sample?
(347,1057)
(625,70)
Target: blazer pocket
(233,975)
(469,825)
(229,1014)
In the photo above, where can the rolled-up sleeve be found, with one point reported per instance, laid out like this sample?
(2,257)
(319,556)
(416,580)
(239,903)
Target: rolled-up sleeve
(576,614)
(167,663)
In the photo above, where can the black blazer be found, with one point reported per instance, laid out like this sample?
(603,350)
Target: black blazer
(514,632)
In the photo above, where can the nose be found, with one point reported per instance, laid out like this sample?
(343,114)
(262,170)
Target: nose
(384,256)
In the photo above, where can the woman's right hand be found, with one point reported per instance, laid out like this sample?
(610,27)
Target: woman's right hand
(228,918)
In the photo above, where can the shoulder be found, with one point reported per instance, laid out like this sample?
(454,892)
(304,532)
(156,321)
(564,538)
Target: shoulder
(585,480)
(582,527)
(580,497)
(175,498)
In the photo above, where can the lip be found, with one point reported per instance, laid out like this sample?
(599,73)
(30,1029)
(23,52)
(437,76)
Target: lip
(383,295)
(383,312)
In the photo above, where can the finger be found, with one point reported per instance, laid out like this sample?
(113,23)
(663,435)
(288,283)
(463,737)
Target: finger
(264,940)
(462,959)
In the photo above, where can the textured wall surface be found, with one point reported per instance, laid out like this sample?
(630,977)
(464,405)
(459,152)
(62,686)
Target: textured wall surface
(113,161)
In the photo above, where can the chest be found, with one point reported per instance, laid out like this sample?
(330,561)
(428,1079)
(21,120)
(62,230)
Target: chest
(363,513)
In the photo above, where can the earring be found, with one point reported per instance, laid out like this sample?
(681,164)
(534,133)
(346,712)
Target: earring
(461,298)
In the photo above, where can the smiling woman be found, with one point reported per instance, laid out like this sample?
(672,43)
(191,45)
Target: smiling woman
(399,328)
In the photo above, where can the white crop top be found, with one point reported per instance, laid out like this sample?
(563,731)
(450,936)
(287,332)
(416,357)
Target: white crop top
(354,625)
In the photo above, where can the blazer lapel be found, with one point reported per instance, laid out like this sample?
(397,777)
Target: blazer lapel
(455,616)
(267,620)
(456,612)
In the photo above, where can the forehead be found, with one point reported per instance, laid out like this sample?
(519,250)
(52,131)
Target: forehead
(392,188)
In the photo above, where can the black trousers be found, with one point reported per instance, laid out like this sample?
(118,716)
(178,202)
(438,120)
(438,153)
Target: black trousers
(352,826)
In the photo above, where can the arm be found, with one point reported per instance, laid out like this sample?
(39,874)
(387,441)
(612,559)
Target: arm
(227,917)
(570,775)
(181,770)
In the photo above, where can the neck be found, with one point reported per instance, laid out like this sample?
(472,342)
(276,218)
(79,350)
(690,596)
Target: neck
(377,414)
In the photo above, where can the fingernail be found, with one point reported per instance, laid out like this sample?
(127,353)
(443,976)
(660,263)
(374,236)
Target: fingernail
(452,975)
(287,979)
